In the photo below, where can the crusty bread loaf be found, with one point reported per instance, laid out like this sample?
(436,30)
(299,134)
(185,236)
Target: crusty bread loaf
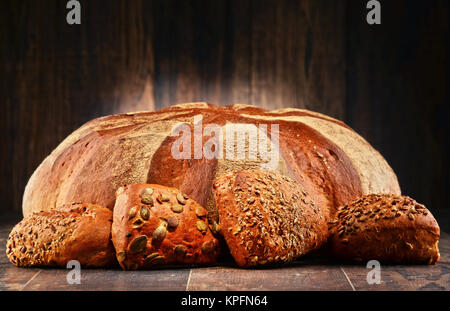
(331,161)
(156,225)
(267,218)
(77,231)
(388,228)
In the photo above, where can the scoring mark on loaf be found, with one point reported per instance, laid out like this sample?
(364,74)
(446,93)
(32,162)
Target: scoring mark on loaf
(145,132)
(122,159)
(230,165)
(375,174)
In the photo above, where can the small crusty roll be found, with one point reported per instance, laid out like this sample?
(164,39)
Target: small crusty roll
(267,218)
(388,228)
(156,225)
(77,231)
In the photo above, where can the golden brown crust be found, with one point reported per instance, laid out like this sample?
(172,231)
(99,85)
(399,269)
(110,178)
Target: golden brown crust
(320,166)
(267,218)
(156,225)
(388,228)
(77,231)
(193,177)
(330,160)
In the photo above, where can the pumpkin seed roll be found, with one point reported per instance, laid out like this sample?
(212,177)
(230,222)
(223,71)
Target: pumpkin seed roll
(156,225)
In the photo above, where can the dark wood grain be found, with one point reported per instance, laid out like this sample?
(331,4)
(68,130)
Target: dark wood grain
(436,277)
(387,81)
(55,77)
(309,273)
(298,276)
(298,55)
(112,280)
(397,92)
(13,278)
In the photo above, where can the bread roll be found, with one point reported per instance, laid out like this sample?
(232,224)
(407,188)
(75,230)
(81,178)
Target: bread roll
(388,228)
(156,225)
(77,231)
(267,218)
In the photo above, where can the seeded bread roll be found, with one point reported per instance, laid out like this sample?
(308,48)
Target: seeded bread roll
(267,218)
(388,228)
(156,225)
(77,231)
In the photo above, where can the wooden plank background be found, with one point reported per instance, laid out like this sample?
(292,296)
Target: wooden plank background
(389,82)
(309,273)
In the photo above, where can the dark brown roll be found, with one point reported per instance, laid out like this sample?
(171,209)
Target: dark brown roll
(388,228)
(77,231)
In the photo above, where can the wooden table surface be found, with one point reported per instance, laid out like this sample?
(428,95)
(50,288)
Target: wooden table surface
(312,273)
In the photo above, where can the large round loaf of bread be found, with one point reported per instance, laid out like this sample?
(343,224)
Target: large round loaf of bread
(328,158)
